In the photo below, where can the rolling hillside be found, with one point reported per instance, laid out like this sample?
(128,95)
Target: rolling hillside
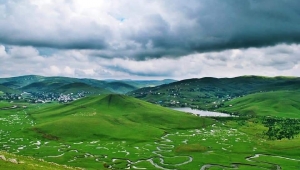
(59,87)
(111,117)
(4,89)
(78,87)
(40,84)
(209,93)
(119,87)
(20,81)
(275,103)
(148,83)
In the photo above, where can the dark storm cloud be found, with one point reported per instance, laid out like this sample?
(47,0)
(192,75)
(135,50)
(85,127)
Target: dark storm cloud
(58,42)
(152,30)
(231,24)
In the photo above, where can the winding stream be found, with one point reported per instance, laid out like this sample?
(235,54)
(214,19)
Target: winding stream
(160,152)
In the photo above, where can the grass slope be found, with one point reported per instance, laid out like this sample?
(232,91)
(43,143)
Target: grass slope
(63,87)
(277,103)
(5,89)
(148,83)
(10,161)
(78,87)
(20,81)
(34,83)
(41,86)
(206,93)
(120,87)
(111,117)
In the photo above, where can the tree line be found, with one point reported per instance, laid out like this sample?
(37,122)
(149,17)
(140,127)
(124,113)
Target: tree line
(280,128)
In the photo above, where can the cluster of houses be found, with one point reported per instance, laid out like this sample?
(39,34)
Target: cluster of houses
(185,97)
(37,97)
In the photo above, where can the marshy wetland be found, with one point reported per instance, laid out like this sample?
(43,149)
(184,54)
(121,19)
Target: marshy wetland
(218,144)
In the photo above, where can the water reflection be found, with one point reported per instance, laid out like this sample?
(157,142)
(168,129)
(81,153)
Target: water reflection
(201,112)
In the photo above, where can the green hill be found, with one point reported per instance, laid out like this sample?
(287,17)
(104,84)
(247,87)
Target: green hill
(78,87)
(60,87)
(111,117)
(209,93)
(20,81)
(148,83)
(43,86)
(275,103)
(120,87)
(5,89)
(32,83)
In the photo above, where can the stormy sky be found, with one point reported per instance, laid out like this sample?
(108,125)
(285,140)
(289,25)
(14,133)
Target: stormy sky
(149,39)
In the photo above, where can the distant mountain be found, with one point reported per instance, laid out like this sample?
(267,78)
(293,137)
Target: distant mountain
(21,81)
(148,83)
(113,116)
(5,89)
(33,83)
(120,87)
(209,93)
(79,87)
(43,86)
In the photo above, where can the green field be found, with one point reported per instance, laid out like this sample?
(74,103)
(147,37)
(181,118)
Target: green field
(275,103)
(17,162)
(120,132)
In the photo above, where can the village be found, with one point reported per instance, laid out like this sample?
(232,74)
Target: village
(42,97)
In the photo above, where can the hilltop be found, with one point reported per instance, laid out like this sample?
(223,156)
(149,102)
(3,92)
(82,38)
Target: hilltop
(111,117)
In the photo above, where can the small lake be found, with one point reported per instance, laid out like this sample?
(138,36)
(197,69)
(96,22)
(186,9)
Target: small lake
(201,112)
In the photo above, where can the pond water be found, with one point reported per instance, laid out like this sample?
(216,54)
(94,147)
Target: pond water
(201,112)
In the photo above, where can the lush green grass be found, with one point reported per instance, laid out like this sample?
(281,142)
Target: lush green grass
(79,87)
(4,104)
(119,132)
(4,89)
(24,162)
(111,117)
(120,87)
(277,103)
(32,83)
(209,93)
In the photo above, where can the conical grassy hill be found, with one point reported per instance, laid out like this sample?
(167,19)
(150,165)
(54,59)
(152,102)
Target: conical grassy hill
(111,116)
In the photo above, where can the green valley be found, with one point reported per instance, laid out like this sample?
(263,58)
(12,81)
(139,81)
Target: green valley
(115,131)
(150,85)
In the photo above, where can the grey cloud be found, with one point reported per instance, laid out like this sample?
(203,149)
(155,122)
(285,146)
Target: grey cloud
(152,30)
(78,63)
(25,24)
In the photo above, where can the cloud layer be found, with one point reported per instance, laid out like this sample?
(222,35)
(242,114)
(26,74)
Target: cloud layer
(141,29)
(149,39)
(270,61)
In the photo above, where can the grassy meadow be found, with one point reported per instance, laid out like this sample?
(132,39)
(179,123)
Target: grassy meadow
(121,132)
